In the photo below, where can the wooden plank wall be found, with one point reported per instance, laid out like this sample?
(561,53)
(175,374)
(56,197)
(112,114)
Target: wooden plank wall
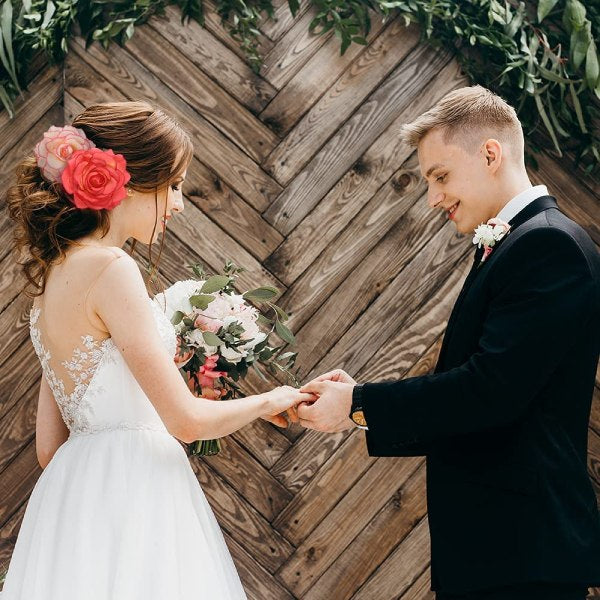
(300,177)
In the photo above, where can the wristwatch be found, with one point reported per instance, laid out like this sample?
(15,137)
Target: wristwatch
(356,411)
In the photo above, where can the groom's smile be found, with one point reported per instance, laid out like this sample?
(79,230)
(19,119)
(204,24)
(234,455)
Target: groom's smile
(452,210)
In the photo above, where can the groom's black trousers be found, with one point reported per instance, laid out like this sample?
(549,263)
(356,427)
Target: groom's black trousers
(533,591)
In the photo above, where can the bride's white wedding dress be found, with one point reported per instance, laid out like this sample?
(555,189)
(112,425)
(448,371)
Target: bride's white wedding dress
(118,513)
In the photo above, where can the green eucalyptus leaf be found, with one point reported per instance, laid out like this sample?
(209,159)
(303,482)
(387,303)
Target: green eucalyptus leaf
(177,317)
(50,10)
(544,8)
(580,42)
(284,333)
(211,339)
(592,69)
(6,101)
(261,293)
(546,121)
(578,111)
(215,283)
(552,76)
(281,314)
(7,56)
(201,301)
(575,13)
(262,320)
(265,354)
(554,118)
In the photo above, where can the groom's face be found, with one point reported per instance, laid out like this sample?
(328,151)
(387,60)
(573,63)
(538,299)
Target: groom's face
(459,181)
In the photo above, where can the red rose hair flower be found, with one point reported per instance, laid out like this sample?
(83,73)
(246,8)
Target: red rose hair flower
(96,178)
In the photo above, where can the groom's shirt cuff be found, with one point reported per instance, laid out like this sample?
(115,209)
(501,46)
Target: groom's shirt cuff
(357,396)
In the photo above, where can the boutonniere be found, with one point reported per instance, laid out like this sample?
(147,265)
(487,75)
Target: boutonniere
(487,234)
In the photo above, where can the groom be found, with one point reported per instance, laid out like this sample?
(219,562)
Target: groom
(503,420)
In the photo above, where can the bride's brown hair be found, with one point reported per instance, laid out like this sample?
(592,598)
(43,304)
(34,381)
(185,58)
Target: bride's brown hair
(157,151)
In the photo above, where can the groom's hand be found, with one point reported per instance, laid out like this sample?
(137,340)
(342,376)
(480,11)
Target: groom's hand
(336,375)
(331,411)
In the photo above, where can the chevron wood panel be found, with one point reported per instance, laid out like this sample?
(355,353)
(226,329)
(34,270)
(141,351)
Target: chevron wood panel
(298,175)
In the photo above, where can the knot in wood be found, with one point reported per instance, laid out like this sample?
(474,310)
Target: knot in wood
(360,167)
(274,125)
(397,500)
(401,182)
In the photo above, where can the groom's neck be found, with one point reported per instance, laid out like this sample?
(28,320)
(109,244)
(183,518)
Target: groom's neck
(510,184)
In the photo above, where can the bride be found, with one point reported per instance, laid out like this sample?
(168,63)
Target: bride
(117,512)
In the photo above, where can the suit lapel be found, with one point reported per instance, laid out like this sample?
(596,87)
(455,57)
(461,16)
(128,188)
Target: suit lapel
(537,206)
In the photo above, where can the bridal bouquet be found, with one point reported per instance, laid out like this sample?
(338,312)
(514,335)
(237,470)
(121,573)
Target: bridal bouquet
(219,336)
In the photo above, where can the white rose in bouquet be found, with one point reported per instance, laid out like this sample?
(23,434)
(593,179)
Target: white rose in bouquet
(177,297)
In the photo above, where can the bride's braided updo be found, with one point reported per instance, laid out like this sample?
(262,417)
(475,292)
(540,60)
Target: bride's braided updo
(47,221)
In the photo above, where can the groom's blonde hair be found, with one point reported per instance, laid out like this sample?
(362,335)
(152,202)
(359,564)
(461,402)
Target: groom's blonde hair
(468,116)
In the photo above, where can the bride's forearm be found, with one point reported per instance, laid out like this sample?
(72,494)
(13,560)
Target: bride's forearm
(217,418)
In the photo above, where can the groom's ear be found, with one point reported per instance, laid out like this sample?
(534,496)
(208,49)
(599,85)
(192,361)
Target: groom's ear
(492,153)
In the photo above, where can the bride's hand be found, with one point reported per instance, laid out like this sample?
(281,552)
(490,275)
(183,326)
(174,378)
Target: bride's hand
(282,399)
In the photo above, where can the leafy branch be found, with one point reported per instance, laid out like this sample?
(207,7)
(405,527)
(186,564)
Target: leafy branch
(540,55)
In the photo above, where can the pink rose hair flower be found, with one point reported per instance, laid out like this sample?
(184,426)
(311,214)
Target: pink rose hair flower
(56,147)
(96,178)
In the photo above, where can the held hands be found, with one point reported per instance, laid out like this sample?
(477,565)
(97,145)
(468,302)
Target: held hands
(282,399)
(330,412)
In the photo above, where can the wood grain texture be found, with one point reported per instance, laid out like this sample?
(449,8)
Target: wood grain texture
(282,19)
(292,51)
(340,101)
(199,92)
(299,176)
(312,80)
(44,92)
(222,65)
(355,136)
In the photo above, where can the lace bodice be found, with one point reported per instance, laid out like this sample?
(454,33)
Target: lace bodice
(78,405)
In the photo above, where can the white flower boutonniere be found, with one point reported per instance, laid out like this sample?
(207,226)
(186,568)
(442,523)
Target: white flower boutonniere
(487,234)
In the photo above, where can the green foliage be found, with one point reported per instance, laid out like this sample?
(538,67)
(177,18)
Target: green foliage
(539,55)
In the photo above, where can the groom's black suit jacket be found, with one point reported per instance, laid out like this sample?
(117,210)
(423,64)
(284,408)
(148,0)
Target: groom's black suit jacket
(503,420)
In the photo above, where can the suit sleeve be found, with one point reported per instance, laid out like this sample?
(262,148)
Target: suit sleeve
(543,297)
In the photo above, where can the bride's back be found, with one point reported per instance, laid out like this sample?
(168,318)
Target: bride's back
(69,332)
(73,344)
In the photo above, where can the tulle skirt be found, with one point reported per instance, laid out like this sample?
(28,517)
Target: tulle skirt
(120,515)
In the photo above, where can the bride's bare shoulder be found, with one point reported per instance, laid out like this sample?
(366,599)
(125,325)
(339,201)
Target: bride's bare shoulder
(95,253)
(90,261)
(113,270)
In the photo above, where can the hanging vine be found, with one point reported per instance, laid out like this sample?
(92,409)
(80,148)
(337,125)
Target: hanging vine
(541,56)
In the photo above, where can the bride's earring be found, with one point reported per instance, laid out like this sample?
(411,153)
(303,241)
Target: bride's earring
(129,191)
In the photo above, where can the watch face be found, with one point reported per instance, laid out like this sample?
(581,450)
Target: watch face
(358,416)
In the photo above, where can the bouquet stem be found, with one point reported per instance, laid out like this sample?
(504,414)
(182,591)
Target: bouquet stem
(205,447)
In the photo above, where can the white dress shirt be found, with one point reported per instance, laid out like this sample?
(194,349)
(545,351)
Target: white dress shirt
(520,201)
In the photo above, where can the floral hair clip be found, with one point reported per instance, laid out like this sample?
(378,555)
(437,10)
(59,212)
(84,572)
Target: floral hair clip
(94,178)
